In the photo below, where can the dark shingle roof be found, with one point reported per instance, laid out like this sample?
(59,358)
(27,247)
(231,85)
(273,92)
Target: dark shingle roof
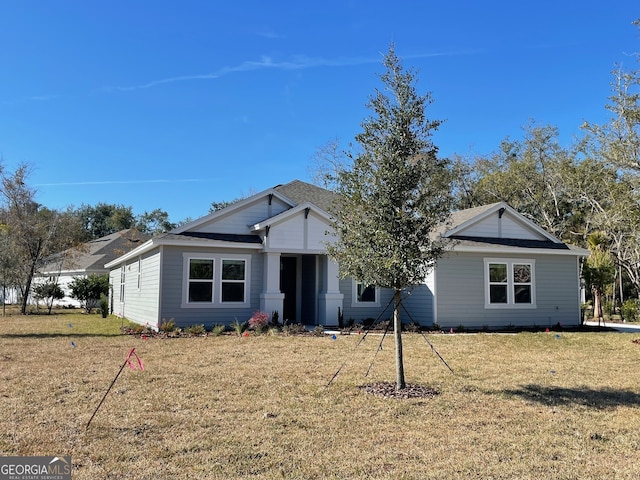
(93,255)
(225,237)
(301,192)
(507,242)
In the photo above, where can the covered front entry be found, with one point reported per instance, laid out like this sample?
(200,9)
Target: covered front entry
(300,285)
(307,288)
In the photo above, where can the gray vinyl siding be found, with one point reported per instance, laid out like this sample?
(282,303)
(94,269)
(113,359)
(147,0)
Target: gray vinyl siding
(141,302)
(417,305)
(238,221)
(172,284)
(460,293)
(359,313)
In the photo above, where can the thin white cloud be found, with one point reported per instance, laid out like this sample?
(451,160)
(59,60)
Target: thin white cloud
(117,182)
(268,33)
(297,62)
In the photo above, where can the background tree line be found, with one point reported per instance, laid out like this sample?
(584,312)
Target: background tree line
(586,193)
(31,232)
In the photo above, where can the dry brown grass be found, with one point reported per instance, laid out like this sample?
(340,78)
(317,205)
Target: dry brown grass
(520,406)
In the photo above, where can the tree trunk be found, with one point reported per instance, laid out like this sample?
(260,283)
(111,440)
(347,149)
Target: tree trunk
(597,305)
(397,328)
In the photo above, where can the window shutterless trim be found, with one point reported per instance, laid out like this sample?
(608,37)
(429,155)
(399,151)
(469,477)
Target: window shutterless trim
(216,301)
(510,284)
(359,304)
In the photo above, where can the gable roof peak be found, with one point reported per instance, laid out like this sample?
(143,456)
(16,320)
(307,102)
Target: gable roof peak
(301,192)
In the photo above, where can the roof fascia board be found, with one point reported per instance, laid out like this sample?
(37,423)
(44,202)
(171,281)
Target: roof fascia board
(182,243)
(231,208)
(497,251)
(517,216)
(290,213)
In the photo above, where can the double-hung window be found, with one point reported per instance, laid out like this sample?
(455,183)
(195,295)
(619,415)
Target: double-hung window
(509,283)
(214,280)
(200,280)
(233,280)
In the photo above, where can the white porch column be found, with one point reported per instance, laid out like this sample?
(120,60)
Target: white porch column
(271,299)
(330,299)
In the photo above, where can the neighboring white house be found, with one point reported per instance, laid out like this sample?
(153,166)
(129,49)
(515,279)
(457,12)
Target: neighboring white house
(87,259)
(267,252)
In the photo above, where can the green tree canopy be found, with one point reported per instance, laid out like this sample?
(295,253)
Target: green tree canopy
(104,219)
(89,289)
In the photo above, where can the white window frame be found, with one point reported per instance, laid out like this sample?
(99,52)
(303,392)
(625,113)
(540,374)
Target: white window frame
(243,282)
(354,296)
(216,300)
(139,273)
(510,262)
(123,282)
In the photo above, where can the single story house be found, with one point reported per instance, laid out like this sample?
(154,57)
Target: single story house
(86,259)
(267,252)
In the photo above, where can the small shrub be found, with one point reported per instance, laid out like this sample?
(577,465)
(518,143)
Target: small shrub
(104,305)
(275,316)
(273,331)
(629,310)
(368,322)
(259,321)
(238,327)
(414,327)
(167,326)
(293,329)
(318,331)
(384,325)
(607,308)
(195,330)
(218,330)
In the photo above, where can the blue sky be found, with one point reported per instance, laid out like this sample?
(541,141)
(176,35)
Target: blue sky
(173,105)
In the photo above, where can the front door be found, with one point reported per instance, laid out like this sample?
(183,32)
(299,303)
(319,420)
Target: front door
(288,279)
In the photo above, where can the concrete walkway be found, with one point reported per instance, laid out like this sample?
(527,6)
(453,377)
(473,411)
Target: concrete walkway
(620,327)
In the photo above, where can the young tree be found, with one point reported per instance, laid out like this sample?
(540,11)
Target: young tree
(49,292)
(89,289)
(9,265)
(31,228)
(599,270)
(394,196)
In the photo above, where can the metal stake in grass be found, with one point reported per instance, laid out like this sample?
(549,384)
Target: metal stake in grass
(127,361)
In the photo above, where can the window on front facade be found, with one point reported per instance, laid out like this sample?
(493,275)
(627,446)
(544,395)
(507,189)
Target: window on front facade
(365,293)
(213,280)
(233,281)
(509,282)
(200,280)
(522,283)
